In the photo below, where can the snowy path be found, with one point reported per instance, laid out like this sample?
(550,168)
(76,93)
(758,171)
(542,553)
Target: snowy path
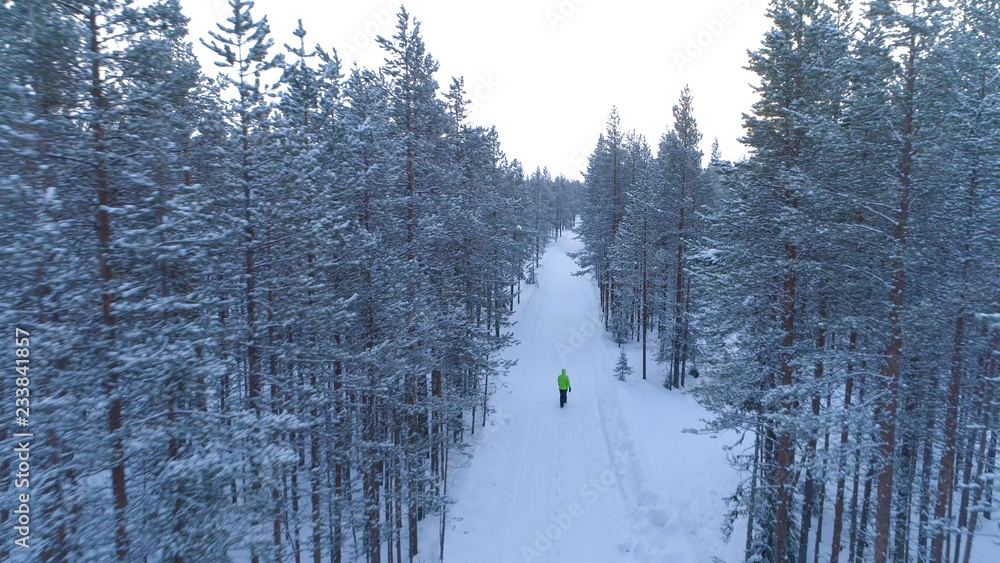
(551,484)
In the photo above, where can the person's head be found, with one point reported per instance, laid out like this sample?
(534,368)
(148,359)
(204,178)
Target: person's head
(564,371)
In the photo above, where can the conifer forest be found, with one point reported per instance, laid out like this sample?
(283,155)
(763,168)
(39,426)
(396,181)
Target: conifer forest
(277,306)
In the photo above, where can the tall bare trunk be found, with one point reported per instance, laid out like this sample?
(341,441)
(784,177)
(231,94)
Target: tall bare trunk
(862,533)
(810,485)
(372,484)
(821,502)
(963,506)
(104,201)
(444,505)
(980,465)
(412,472)
(926,464)
(785,455)
(645,294)
(838,503)
(675,364)
(754,468)
(894,353)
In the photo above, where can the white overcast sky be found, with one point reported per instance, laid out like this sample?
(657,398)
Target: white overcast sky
(547,72)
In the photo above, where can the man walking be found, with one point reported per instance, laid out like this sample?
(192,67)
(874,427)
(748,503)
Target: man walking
(563,387)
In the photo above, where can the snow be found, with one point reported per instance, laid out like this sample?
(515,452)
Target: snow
(611,477)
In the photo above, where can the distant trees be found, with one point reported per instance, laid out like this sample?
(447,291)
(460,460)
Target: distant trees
(555,205)
(294,300)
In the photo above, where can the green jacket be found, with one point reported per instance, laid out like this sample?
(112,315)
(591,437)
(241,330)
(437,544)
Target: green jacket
(564,381)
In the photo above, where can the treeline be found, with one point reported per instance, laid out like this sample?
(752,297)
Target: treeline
(261,315)
(642,215)
(844,298)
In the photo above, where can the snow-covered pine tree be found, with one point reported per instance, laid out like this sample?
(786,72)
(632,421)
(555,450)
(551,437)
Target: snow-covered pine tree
(951,189)
(48,260)
(309,247)
(112,138)
(959,217)
(538,186)
(167,335)
(680,193)
(892,94)
(418,123)
(634,247)
(603,208)
(762,274)
(242,49)
(359,470)
(622,369)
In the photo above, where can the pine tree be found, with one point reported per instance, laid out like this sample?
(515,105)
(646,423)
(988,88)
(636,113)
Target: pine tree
(622,369)
(116,111)
(635,245)
(770,213)
(679,167)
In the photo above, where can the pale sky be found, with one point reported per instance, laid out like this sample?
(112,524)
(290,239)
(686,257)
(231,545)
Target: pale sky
(547,72)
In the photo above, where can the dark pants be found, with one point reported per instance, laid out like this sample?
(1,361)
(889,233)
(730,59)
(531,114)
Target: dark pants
(562,397)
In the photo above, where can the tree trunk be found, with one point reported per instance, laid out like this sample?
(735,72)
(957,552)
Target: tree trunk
(444,505)
(980,464)
(862,537)
(104,201)
(820,505)
(810,486)
(314,497)
(838,503)
(412,469)
(372,485)
(854,540)
(388,493)
(754,468)
(398,507)
(904,502)
(339,491)
(277,477)
(675,364)
(950,439)
(963,515)
(785,455)
(926,464)
(645,302)
(894,354)
(486,396)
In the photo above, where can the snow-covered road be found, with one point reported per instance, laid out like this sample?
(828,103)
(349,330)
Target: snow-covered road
(571,484)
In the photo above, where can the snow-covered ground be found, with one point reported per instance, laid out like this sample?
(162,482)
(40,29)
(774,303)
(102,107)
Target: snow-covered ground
(611,477)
